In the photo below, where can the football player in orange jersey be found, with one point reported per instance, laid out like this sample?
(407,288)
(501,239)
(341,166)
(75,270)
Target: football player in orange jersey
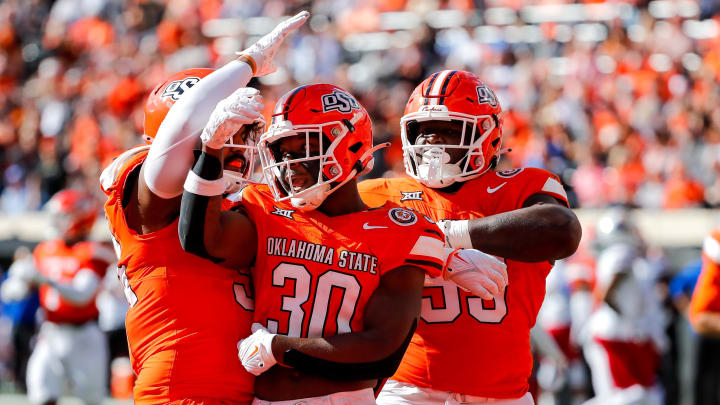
(337,285)
(186,313)
(705,303)
(705,318)
(68,269)
(467,349)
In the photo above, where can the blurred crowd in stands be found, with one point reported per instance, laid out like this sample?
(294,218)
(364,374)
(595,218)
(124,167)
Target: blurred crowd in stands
(618,98)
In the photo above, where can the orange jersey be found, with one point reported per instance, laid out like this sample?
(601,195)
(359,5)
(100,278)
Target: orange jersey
(314,274)
(706,296)
(186,313)
(465,344)
(60,262)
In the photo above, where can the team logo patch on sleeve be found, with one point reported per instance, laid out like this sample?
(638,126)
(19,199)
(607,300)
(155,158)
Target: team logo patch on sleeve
(402,217)
(283,213)
(411,195)
(509,173)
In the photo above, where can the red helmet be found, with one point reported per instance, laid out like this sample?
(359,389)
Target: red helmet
(72,214)
(165,94)
(342,129)
(452,95)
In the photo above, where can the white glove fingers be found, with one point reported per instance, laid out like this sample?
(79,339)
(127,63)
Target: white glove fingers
(292,23)
(251,106)
(489,285)
(250,112)
(256,326)
(482,292)
(497,277)
(244,99)
(235,121)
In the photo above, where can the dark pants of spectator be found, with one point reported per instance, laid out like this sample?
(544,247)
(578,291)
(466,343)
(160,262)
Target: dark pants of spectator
(669,361)
(707,384)
(21,336)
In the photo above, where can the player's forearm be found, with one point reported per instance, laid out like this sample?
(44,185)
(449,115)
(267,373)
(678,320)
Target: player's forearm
(81,290)
(199,222)
(359,347)
(707,324)
(537,233)
(170,155)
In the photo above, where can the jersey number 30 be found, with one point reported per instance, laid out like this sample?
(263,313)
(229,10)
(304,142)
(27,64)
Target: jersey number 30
(442,303)
(347,286)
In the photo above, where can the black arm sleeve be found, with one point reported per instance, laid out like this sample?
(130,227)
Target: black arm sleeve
(349,371)
(193,207)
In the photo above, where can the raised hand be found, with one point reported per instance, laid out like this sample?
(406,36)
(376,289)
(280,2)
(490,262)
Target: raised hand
(243,107)
(261,53)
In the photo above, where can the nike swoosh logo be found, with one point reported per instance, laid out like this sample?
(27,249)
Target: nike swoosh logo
(254,351)
(494,189)
(367,226)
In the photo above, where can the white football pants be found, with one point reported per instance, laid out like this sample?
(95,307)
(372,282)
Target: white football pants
(360,397)
(74,356)
(400,393)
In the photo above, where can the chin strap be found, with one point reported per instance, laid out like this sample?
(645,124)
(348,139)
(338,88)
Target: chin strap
(371,163)
(317,196)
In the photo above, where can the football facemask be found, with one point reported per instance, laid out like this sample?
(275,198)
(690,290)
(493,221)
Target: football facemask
(305,175)
(332,144)
(431,164)
(452,96)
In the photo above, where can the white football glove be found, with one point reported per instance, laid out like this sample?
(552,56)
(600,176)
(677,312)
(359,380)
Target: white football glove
(475,272)
(14,289)
(263,51)
(255,351)
(243,107)
(25,270)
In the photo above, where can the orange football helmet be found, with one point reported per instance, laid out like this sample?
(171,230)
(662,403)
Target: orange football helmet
(457,96)
(165,94)
(329,116)
(72,214)
(240,159)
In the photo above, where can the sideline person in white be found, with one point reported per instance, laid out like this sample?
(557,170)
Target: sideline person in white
(67,271)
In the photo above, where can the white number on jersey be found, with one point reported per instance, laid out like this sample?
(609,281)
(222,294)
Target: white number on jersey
(130,296)
(243,294)
(328,282)
(449,308)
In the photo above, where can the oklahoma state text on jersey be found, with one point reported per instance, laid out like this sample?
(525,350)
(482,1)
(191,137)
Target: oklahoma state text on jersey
(60,262)
(186,313)
(314,274)
(465,344)
(706,297)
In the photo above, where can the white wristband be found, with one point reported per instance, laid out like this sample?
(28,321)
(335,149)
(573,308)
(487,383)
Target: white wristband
(209,188)
(457,233)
